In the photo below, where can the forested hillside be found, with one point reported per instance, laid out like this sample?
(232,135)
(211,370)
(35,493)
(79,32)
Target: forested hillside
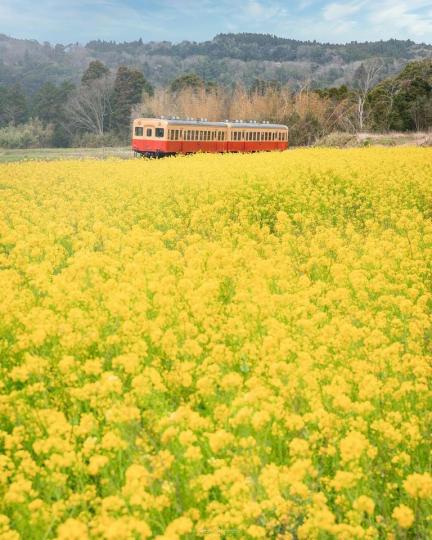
(227,59)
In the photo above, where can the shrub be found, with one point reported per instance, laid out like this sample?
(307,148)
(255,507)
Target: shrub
(32,134)
(337,139)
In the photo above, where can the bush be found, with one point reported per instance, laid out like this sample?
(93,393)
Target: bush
(95,140)
(33,134)
(337,139)
(303,130)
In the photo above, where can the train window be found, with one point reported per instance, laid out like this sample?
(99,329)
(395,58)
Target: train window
(159,132)
(139,131)
(254,136)
(149,132)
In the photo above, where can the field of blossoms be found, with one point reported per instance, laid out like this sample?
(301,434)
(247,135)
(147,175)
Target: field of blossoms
(217,347)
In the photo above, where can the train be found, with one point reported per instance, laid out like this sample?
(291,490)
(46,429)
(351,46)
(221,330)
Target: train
(159,137)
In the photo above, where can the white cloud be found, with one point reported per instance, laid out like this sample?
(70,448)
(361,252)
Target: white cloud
(339,11)
(410,18)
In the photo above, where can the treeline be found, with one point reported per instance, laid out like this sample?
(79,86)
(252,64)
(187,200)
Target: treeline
(258,47)
(227,60)
(99,109)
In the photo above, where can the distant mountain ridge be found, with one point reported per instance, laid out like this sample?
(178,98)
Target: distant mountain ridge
(226,59)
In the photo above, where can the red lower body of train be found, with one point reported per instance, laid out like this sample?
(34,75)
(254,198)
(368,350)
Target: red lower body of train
(155,148)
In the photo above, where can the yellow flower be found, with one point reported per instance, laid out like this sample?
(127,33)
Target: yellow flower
(96,464)
(419,485)
(364,504)
(404,516)
(72,529)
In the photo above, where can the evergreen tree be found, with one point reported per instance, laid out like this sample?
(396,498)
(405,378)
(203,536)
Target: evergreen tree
(404,102)
(129,86)
(49,106)
(96,70)
(13,105)
(189,80)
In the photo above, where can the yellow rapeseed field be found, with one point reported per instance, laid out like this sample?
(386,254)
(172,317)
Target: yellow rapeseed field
(217,347)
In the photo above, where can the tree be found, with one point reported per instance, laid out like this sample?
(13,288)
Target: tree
(261,87)
(96,70)
(189,80)
(129,87)
(13,105)
(382,103)
(49,105)
(364,79)
(405,101)
(90,106)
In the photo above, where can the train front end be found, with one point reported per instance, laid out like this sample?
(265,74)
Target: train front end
(149,137)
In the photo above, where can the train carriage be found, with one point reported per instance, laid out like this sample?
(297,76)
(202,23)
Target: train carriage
(156,137)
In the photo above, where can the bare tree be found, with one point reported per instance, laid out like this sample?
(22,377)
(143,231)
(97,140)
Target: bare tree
(364,79)
(89,107)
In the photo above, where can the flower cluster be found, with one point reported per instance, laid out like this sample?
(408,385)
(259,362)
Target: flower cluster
(217,346)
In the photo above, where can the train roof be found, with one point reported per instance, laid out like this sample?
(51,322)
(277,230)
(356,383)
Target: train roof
(260,125)
(230,124)
(180,122)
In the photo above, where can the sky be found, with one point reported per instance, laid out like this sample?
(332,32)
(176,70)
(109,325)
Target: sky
(200,20)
